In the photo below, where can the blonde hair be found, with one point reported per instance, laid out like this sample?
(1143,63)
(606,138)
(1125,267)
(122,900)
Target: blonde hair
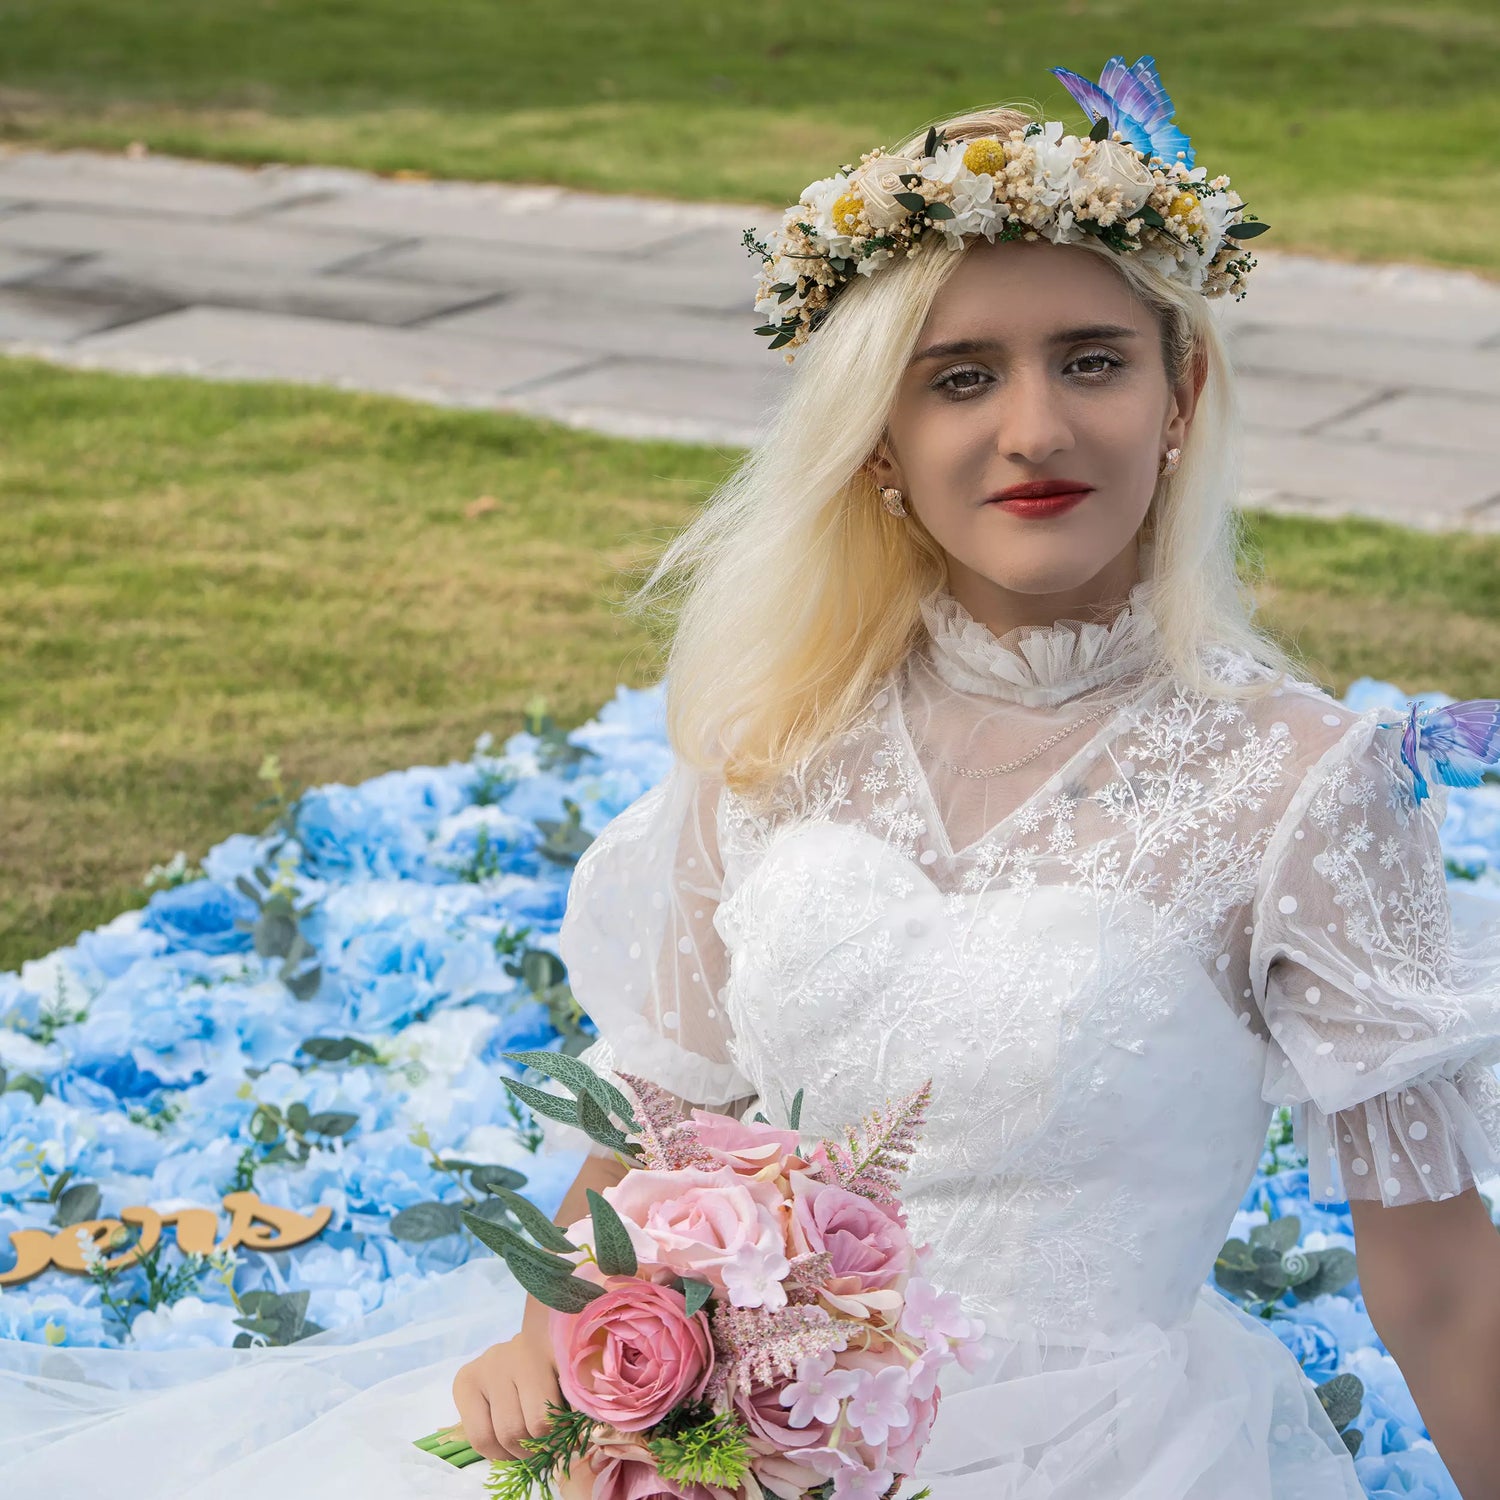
(793,593)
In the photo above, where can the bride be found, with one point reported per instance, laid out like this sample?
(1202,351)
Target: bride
(982,773)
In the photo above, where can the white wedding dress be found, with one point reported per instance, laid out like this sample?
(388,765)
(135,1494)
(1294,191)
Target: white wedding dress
(1112,960)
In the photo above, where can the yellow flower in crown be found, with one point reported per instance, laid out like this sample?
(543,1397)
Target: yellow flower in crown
(1130,183)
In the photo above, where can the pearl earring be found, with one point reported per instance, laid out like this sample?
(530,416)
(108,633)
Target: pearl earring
(1170,461)
(892,500)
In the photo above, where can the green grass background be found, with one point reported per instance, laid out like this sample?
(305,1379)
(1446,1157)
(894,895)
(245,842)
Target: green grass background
(1362,130)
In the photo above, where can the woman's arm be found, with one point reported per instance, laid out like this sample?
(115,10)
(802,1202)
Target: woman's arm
(1430,1273)
(597,1172)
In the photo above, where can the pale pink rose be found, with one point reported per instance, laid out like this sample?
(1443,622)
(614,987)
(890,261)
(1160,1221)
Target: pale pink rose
(753,1149)
(870,1252)
(782,1475)
(770,1422)
(632,1354)
(700,1223)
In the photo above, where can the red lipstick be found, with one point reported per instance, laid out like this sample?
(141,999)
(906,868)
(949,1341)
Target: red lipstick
(1041,497)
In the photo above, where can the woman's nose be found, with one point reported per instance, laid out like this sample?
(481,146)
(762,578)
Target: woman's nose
(1032,423)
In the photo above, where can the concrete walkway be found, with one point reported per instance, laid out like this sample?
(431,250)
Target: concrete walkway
(1372,390)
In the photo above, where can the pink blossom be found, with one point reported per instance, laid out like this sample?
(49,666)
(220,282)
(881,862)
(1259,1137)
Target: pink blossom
(749,1147)
(632,1354)
(815,1394)
(753,1276)
(695,1222)
(869,1252)
(923,1373)
(902,1455)
(878,1405)
(932,1315)
(862,1484)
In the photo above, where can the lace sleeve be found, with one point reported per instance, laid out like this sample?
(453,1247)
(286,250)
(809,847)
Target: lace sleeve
(1384,1011)
(644,959)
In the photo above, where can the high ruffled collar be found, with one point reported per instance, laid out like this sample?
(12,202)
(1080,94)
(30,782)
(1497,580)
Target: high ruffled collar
(1038,665)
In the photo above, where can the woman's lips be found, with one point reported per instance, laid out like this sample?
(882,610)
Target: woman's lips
(1038,506)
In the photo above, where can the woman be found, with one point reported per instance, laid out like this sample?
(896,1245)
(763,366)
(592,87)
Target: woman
(1017,798)
(983,774)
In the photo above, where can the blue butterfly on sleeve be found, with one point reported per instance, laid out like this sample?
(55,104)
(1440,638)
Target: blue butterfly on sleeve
(1462,740)
(1135,103)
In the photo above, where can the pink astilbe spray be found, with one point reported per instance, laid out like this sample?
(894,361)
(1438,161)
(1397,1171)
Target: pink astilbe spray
(754,1346)
(669,1143)
(874,1153)
(806,1275)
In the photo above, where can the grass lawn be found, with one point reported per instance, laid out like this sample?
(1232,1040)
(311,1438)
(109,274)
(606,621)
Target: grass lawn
(1363,130)
(193,575)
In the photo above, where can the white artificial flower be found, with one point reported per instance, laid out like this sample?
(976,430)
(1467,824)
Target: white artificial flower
(1113,167)
(878,181)
(1054,163)
(821,196)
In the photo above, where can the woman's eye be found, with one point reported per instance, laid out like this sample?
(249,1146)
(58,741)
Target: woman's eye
(1102,362)
(1095,368)
(944,383)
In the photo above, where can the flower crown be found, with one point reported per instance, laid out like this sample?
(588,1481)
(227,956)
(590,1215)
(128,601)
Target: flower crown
(1130,183)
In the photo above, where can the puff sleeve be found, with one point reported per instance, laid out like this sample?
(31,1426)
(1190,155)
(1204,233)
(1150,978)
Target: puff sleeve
(644,958)
(1383,1009)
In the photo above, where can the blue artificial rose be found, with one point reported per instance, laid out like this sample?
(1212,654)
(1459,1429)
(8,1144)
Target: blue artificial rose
(1417,1473)
(201,916)
(1311,1344)
(344,835)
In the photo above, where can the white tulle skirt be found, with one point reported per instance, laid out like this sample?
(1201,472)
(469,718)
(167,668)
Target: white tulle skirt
(1215,1408)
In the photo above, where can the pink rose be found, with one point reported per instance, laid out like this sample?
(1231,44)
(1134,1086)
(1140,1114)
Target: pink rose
(632,1354)
(870,1252)
(770,1422)
(749,1147)
(718,1226)
(623,1469)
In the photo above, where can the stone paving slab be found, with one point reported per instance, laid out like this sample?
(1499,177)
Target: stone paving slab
(629,330)
(159,184)
(1388,361)
(18,265)
(228,342)
(527,218)
(1408,302)
(1372,389)
(36,314)
(274,251)
(1430,488)
(215,283)
(1419,420)
(711,277)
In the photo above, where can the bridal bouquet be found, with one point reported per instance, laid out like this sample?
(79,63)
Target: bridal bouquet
(738,1318)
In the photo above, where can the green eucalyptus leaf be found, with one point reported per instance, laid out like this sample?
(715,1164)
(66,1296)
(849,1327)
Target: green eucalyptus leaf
(794,1114)
(332,1122)
(612,1248)
(539,1102)
(427,1221)
(77,1205)
(534,1221)
(486,1178)
(914,202)
(579,1078)
(596,1125)
(696,1294)
(1246,231)
(940,211)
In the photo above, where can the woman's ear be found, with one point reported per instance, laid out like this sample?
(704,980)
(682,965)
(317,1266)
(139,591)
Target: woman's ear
(1185,396)
(882,468)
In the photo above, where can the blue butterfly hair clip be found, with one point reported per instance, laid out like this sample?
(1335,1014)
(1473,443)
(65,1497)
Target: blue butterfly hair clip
(1134,102)
(1462,740)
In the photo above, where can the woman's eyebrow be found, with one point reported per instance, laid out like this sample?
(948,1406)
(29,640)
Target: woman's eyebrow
(1063,336)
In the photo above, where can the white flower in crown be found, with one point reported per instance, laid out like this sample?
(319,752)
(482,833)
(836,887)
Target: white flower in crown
(1055,153)
(1111,167)
(977,208)
(877,181)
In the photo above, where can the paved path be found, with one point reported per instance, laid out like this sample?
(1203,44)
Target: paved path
(1367,389)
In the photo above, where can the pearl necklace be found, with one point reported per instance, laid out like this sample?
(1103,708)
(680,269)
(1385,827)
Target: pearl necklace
(1046,744)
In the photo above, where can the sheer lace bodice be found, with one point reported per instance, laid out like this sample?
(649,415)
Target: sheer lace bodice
(1113,960)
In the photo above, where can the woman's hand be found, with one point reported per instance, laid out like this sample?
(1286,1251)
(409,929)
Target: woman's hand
(502,1395)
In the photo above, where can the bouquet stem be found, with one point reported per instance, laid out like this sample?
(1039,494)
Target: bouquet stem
(454,1450)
